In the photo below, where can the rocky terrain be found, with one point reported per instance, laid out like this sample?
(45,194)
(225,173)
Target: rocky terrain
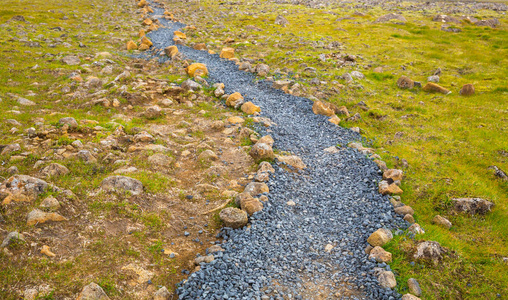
(157,150)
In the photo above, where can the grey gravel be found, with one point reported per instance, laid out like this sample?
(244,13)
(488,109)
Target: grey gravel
(336,196)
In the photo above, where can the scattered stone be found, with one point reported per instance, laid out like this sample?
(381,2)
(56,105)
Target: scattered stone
(12,237)
(256,188)
(281,84)
(197,69)
(180,35)
(250,204)
(405,82)
(490,22)
(122,183)
(380,255)
(227,53)
(54,170)
(393,175)
(262,69)
(235,100)
(69,121)
(45,250)
(404,210)
(131,46)
(143,137)
(357,74)
(51,203)
(160,160)
(499,173)
(293,161)
(387,280)
(386,188)
(429,251)
(266,167)
(37,216)
(416,229)
(22,188)
(162,294)
(414,287)
(380,237)
(233,217)
(86,156)
(445,19)
(389,17)
(11,148)
(472,205)
(409,297)
(191,85)
(291,203)
(171,51)
(92,292)
(320,108)
(235,120)
(435,88)
(250,108)
(467,90)
(280,20)
(153,112)
(442,221)
(433,78)
(71,60)
(262,151)
(207,156)
(144,276)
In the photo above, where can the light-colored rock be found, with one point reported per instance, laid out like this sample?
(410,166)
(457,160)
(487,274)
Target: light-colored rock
(429,251)
(143,137)
(45,250)
(204,259)
(233,217)
(54,170)
(393,174)
(122,183)
(416,229)
(409,297)
(51,203)
(414,287)
(71,60)
(197,69)
(380,255)
(320,108)
(250,204)
(262,69)
(143,275)
(162,294)
(293,161)
(472,205)
(180,35)
(262,151)
(235,120)
(389,189)
(431,87)
(227,53)
(250,108)
(404,210)
(409,218)
(171,51)
(207,156)
(329,248)
(11,148)
(235,100)
(387,279)
(191,85)
(160,160)
(389,17)
(37,216)
(153,112)
(22,188)
(442,221)
(256,188)
(131,45)
(92,292)
(12,237)
(405,82)
(280,20)
(380,237)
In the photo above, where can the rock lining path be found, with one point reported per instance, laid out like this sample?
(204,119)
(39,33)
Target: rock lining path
(282,254)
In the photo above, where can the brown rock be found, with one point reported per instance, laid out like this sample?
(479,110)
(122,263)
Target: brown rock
(442,221)
(235,100)
(467,90)
(131,45)
(409,218)
(251,205)
(207,156)
(293,161)
(387,279)
(431,87)
(320,108)
(404,210)
(405,82)
(256,188)
(380,237)
(45,250)
(250,108)
(92,292)
(393,174)
(409,297)
(37,216)
(267,139)
(146,41)
(380,255)
(414,287)
(472,205)
(381,164)
(233,217)
(334,120)
(262,151)
(197,69)
(266,167)
(391,189)
(147,22)
(227,53)
(200,46)
(21,188)
(429,251)
(416,229)
(122,183)
(180,35)
(171,51)
(55,170)
(162,294)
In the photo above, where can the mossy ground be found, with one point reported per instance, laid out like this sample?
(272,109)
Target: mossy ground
(449,141)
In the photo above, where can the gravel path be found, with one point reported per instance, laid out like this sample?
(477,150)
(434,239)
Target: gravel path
(282,255)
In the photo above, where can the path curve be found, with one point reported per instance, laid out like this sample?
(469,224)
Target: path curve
(282,254)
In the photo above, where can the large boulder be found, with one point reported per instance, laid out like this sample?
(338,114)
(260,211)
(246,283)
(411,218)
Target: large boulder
(256,188)
(393,175)
(21,188)
(122,183)
(54,170)
(387,279)
(197,69)
(262,151)
(472,205)
(233,217)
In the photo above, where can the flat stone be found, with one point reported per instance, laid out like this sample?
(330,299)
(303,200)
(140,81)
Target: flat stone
(37,216)
(472,205)
(404,210)
(92,292)
(162,294)
(12,237)
(256,188)
(442,221)
(122,183)
(54,170)
(414,287)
